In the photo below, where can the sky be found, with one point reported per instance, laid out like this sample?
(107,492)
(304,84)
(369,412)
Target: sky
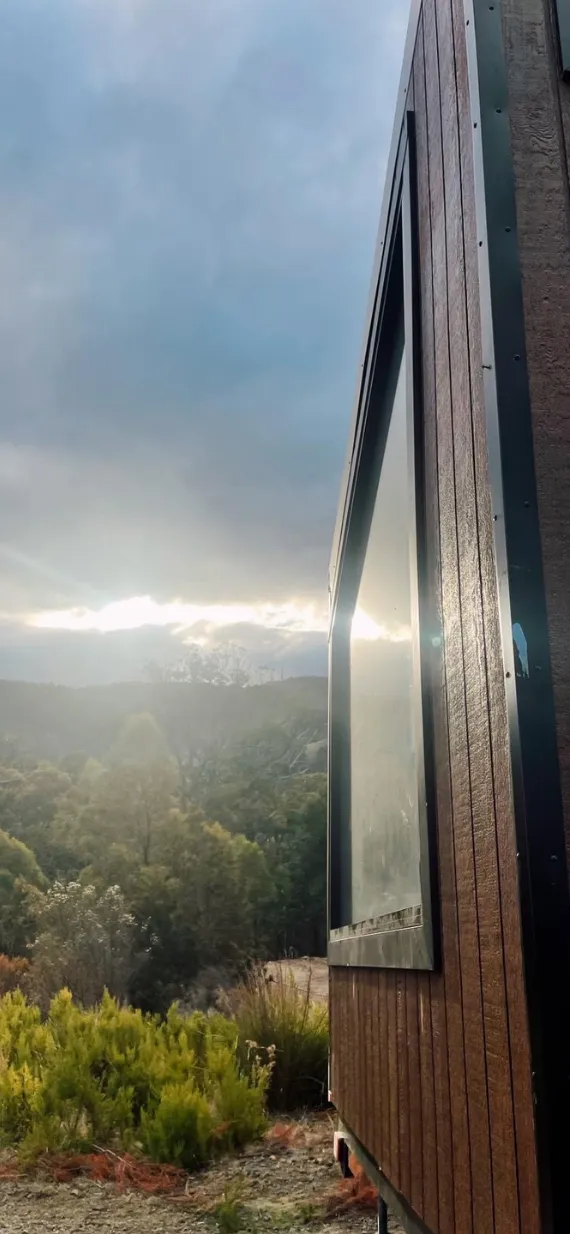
(189,200)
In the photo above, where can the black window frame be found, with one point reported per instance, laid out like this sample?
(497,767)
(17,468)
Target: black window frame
(411,943)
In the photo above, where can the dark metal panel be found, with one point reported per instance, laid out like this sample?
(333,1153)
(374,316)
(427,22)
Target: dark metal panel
(543,884)
(407,948)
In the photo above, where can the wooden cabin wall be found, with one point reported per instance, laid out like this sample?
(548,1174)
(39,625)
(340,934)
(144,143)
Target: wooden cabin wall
(539,108)
(432,1072)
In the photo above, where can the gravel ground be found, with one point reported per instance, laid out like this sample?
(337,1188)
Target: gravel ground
(280,1188)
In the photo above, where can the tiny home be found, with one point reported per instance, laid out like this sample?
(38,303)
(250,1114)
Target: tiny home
(449,714)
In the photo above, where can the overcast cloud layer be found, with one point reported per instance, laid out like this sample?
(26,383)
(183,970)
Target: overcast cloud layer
(189,196)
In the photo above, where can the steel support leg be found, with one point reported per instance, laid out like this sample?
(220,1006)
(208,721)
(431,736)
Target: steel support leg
(382,1216)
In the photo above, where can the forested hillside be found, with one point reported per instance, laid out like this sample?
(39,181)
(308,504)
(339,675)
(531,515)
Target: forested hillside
(168,860)
(51,721)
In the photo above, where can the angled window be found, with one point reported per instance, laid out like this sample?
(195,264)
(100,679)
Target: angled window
(380,869)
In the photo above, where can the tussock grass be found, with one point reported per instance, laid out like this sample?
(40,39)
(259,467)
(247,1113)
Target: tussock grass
(280,1017)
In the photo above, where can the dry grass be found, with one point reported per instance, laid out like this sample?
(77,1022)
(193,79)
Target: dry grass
(277,1014)
(356,1192)
(287,1135)
(125,1171)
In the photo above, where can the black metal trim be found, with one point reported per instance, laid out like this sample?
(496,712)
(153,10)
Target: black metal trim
(563,22)
(424,649)
(543,878)
(396,1203)
(388,944)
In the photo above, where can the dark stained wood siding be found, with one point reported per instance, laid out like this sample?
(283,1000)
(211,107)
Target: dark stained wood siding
(433,1071)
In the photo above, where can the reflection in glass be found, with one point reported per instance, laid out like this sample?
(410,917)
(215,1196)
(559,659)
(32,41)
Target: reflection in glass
(385,838)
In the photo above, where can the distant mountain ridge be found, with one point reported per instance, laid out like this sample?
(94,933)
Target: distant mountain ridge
(50,721)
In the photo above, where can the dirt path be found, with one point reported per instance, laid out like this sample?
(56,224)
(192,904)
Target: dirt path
(281,1184)
(308,968)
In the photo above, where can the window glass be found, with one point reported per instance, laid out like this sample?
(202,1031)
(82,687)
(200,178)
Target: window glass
(384,818)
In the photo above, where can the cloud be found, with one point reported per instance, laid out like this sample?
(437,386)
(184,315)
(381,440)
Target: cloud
(189,196)
(141,611)
(364,629)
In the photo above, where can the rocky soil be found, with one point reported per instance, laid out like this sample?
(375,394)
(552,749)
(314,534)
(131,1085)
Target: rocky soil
(285,1183)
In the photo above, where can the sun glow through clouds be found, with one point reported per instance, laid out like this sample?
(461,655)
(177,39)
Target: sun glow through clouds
(183,618)
(365,629)
(139,611)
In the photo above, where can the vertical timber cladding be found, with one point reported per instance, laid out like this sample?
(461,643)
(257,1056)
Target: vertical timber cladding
(432,1072)
(541,154)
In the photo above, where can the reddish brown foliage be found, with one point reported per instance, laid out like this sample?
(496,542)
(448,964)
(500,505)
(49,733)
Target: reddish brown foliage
(12,973)
(125,1172)
(9,1173)
(286,1135)
(355,1192)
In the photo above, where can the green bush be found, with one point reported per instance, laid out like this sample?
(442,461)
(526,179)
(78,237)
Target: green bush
(180,1129)
(229,1210)
(113,1076)
(281,1018)
(238,1098)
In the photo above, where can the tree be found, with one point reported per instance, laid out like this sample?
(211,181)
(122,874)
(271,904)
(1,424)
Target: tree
(227,665)
(130,806)
(19,871)
(204,906)
(303,863)
(84,943)
(140,742)
(287,821)
(228,866)
(29,802)
(248,775)
(17,860)
(168,942)
(258,893)
(218,873)
(127,803)
(254,787)
(74,764)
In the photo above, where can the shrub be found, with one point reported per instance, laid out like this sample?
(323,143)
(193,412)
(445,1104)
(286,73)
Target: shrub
(180,1129)
(114,1077)
(229,1210)
(12,973)
(18,1094)
(238,1099)
(279,1016)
